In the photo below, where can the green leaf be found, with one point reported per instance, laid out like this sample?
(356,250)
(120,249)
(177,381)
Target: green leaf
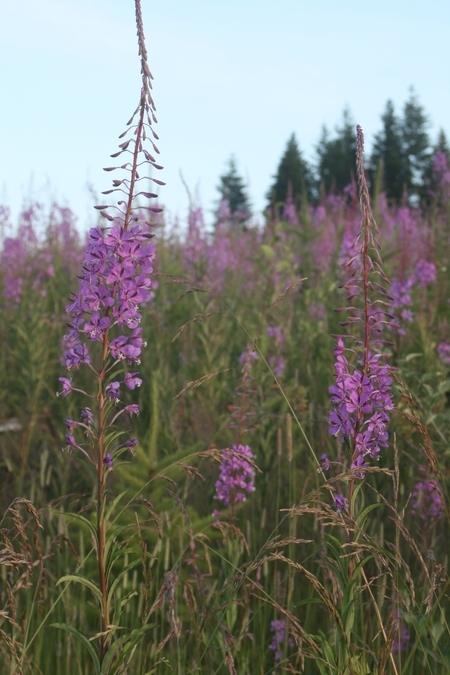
(119,577)
(132,639)
(85,521)
(78,578)
(83,639)
(113,505)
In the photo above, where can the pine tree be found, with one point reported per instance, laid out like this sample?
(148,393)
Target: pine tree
(403,145)
(337,156)
(388,147)
(416,143)
(234,204)
(293,175)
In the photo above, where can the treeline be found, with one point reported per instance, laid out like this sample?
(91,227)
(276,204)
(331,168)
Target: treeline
(400,164)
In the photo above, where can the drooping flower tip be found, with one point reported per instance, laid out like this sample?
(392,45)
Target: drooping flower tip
(87,416)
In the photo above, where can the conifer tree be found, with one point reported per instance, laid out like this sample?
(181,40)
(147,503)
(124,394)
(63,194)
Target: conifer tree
(234,204)
(337,156)
(403,147)
(388,147)
(293,175)
(416,142)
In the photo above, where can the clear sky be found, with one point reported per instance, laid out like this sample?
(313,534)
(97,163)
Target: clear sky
(235,77)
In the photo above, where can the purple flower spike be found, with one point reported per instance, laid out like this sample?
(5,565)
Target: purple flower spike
(427,501)
(236,475)
(108,460)
(278,628)
(131,381)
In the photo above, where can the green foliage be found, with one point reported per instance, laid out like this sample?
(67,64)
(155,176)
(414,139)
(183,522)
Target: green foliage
(336,156)
(233,194)
(293,177)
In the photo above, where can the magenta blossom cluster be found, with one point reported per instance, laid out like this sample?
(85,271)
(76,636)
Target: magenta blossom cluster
(236,475)
(423,275)
(443,350)
(115,282)
(363,401)
(278,628)
(427,501)
(22,261)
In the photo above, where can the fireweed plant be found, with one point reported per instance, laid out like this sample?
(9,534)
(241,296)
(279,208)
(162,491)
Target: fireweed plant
(362,396)
(105,334)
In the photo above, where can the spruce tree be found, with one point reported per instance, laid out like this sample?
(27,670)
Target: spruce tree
(336,156)
(416,143)
(293,175)
(233,196)
(388,147)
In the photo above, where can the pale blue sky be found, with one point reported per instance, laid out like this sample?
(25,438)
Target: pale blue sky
(235,77)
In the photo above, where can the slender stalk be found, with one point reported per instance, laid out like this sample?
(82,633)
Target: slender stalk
(101,527)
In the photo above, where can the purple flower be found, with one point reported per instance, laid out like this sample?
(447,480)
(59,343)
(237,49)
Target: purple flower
(236,475)
(132,409)
(70,441)
(425,273)
(427,501)
(444,352)
(362,403)
(66,386)
(246,357)
(113,391)
(341,503)
(278,628)
(87,416)
(108,460)
(276,333)
(130,444)
(131,381)
(76,356)
(70,424)
(325,464)
(277,364)
(403,642)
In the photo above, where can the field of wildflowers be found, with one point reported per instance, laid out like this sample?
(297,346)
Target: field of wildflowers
(252,476)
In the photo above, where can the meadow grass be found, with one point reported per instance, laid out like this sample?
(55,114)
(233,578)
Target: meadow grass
(336,561)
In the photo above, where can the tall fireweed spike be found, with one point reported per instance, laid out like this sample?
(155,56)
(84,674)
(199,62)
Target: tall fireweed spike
(105,313)
(361,395)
